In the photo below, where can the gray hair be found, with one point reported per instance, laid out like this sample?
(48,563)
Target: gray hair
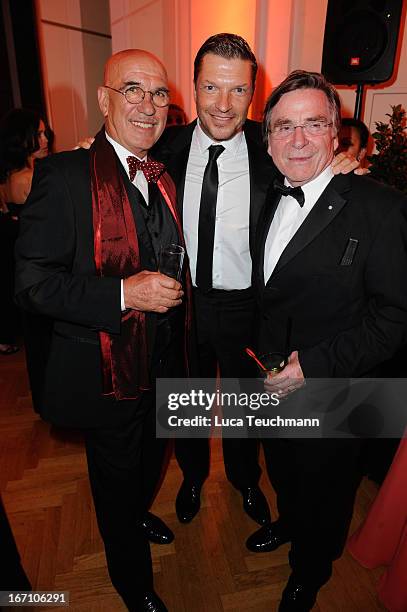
(301,79)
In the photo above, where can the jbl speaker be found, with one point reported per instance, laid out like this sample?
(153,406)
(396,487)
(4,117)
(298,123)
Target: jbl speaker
(360,40)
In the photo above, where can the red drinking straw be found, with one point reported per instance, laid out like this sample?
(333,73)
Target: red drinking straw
(256,359)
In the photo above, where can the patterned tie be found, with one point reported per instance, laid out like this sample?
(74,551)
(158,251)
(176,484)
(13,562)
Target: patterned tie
(152,169)
(295,192)
(207,215)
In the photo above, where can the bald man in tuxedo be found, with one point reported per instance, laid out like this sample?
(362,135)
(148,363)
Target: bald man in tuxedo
(87,257)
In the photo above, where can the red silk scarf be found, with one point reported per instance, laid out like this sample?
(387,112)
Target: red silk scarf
(124,356)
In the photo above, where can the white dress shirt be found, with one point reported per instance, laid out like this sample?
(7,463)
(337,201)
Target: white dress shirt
(139,181)
(122,153)
(231,255)
(288,218)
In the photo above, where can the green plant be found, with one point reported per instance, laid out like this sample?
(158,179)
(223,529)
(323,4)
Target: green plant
(389,164)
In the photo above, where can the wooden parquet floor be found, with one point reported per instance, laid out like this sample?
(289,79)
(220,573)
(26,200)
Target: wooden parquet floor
(207,568)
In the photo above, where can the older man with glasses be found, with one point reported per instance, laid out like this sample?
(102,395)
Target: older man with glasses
(330,262)
(87,257)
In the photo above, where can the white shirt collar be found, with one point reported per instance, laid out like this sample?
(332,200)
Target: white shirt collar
(318,184)
(232,145)
(122,153)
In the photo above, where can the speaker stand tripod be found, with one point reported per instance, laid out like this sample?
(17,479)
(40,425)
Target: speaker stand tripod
(359,100)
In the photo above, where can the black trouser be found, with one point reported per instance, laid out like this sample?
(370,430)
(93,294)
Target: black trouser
(37,332)
(9,313)
(224,322)
(12,576)
(125,467)
(316,483)
(124,470)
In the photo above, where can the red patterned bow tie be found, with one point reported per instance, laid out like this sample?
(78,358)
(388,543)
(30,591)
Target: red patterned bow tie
(152,169)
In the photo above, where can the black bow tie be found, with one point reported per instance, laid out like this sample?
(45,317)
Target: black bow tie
(295,192)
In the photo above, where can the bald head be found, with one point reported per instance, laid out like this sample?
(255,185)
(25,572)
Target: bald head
(137,56)
(135,126)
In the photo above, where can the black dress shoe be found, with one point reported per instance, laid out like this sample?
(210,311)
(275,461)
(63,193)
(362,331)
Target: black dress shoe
(298,596)
(188,502)
(156,530)
(267,538)
(150,602)
(255,505)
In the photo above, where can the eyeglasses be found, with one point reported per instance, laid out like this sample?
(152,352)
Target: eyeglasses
(135,95)
(312,128)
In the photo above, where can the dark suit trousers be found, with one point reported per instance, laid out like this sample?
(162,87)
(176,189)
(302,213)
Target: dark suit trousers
(316,483)
(125,466)
(9,313)
(13,576)
(124,469)
(224,321)
(37,332)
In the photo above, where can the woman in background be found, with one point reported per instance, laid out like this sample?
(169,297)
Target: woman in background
(24,137)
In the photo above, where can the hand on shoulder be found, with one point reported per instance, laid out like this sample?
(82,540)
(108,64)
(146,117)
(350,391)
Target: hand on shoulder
(86,143)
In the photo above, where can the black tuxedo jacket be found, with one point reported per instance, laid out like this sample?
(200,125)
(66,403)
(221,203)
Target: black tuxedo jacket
(56,276)
(173,150)
(347,316)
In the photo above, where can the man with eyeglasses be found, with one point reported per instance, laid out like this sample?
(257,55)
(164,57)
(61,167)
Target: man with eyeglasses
(330,261)
(223,173)
(87,257)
